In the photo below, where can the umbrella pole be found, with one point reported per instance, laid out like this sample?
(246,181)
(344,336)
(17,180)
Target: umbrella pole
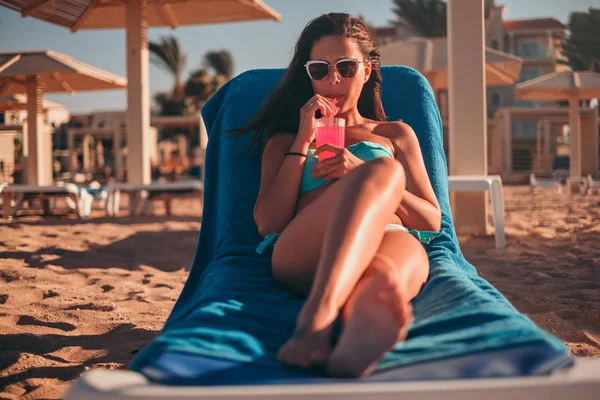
(117,151)
(72,154)
(467,144)
(138,93)
(574,141)
(38,163)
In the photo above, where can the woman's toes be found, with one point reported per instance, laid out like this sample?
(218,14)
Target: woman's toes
(282,356)
(319,357)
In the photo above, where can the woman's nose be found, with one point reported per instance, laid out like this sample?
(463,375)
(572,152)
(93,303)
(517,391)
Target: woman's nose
(334,76)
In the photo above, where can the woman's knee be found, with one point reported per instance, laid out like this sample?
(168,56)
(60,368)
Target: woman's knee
(383,173)
(385,270)
(406,278)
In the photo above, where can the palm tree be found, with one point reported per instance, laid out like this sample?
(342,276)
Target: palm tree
(187,98)
(221,63)
(167,55)
(198,88)
(217,68)
(171,105)
(426,18)
(581,48)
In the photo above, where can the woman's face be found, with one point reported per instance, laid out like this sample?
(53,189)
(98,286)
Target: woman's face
(346,90)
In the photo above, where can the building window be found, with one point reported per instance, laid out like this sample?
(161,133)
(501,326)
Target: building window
(526,129)
(496,100)
(529,73)
(529,104)
(530,49)
(494,104)
(495,44)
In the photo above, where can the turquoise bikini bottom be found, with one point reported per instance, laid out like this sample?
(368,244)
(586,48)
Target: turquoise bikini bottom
(423,236)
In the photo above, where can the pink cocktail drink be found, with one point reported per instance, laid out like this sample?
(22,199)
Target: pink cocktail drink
(330,131)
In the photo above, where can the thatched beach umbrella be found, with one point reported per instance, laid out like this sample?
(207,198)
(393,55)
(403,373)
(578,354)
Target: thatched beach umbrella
(136,16)
(35,73)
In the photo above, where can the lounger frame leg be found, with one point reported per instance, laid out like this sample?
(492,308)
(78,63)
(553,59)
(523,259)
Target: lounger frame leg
(7,207)
(498,213)
(141,200)
(19,201)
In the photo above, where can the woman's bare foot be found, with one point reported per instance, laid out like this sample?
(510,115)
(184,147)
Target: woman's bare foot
(310,345)
(379,315)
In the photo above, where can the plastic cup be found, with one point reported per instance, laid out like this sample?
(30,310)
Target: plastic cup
(331,131)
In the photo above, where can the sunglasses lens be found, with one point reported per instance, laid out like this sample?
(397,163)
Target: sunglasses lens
(318,71)
(347,68)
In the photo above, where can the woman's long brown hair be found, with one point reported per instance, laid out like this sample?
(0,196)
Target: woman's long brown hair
(280,111)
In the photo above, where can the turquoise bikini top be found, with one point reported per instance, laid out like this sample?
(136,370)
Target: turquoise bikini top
(364,150)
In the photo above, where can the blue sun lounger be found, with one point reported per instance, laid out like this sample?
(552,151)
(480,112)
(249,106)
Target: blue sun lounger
(220,340)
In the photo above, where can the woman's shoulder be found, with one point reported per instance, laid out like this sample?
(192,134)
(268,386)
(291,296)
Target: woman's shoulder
(399,133)
(281,140)
(393,129)
(277,145)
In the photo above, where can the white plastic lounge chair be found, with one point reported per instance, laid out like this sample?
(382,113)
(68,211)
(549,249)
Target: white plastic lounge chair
(96,194)
(21,193)
(492,184)
(581,183)
(535,183)
(591,185)
(152,191)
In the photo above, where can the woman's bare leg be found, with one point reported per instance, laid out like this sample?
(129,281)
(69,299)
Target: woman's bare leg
(378,312)
(361,207)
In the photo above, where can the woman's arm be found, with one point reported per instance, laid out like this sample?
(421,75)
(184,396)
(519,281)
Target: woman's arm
(279,183)
(419,208)
(281,175)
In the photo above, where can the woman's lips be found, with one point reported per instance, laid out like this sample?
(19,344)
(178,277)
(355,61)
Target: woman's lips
(337,98)
(337,102)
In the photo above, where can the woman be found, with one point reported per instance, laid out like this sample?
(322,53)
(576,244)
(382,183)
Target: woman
(340,227)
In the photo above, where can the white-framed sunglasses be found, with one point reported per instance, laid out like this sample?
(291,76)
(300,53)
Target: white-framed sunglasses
(319,69)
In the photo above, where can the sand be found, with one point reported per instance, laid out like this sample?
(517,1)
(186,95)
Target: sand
(81,294)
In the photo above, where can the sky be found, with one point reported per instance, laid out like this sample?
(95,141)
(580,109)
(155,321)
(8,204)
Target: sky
(259,44)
